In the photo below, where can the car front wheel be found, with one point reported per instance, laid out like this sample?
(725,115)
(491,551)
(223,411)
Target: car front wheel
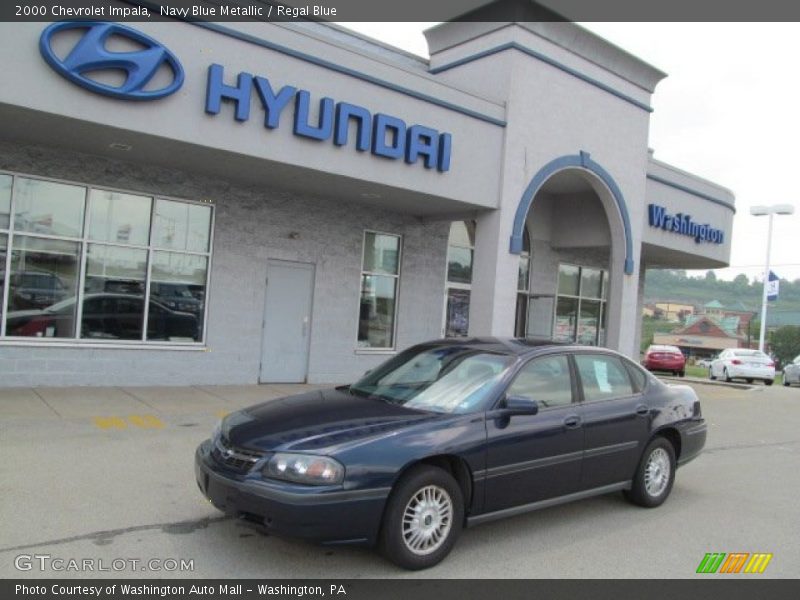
(423,519)
(655,475)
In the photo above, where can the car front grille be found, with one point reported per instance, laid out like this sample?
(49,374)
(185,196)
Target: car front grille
(239,459)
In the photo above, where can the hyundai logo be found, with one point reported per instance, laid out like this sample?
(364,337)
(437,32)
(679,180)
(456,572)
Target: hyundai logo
(90,55)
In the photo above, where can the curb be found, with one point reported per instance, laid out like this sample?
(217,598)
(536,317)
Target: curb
(735,386)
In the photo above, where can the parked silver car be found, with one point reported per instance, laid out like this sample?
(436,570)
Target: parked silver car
(791,372)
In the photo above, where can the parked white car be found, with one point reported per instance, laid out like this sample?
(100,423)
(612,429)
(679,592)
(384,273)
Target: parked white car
(791,372)
(739,363)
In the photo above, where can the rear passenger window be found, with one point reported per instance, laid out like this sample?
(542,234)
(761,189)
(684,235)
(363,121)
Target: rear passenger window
(638,376)
(603,377)
(546,380)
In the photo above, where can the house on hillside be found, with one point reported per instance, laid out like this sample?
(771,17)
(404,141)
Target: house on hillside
(705,335)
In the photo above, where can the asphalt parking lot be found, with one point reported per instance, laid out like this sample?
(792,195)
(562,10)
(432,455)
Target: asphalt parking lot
(108,474)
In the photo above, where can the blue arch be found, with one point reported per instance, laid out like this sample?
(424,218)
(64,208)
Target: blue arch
(583,161)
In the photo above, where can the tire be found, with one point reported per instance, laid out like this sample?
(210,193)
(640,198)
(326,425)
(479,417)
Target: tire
(681,373)
(768,382)
(726,376)
(651,485)
(420,488)
(785,381)
(749,380)
(711,375)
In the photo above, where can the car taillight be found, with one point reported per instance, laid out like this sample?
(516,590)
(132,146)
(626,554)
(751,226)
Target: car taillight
(736,361)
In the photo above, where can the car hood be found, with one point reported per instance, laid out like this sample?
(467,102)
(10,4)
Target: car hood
(317,421)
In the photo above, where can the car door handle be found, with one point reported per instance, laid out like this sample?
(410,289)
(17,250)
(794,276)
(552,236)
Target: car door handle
(642,410)
(572,422)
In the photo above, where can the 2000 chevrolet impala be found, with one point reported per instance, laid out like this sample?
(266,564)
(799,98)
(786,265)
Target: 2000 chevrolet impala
(449,434)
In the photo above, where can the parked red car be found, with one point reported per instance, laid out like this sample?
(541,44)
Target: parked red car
(665,358)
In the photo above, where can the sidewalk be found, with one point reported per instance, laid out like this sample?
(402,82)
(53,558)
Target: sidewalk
(141,402)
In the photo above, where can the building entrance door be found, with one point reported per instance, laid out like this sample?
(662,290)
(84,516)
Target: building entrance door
(287,322)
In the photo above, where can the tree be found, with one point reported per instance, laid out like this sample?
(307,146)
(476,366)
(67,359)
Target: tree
(711,276)
(785,343)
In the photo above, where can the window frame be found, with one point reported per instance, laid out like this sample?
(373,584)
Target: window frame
(576,391)
(584,400)
(457,285)
(393,348)
(602,300)
(83,242)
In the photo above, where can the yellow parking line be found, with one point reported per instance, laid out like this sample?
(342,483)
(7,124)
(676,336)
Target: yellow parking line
(110,422)
(146,421)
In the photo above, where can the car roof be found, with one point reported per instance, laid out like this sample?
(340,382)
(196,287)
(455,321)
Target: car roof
(514,346)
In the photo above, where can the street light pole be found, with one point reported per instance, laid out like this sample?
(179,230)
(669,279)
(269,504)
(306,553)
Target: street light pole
(758,211)
(763,329)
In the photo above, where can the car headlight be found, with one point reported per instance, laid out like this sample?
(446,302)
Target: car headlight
(304,468)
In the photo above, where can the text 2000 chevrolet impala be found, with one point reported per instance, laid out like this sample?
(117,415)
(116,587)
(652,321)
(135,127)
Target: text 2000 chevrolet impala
(448,434)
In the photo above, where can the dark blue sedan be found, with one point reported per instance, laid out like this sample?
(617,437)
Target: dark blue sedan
(449,434)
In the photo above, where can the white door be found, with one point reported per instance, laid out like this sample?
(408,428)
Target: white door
(287,322)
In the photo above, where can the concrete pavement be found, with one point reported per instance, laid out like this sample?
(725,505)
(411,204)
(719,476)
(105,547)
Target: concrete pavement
(71,488)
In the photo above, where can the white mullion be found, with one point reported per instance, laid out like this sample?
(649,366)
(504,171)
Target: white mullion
(84,258)
(148,270)
(208,273)
(7,282)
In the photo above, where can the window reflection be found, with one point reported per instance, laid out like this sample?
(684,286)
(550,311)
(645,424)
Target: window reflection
(376,315)
(181,226)
(49,208)
(113,307)
(177,296)
(5,201)
(381,253)
(122,218)
(42,288)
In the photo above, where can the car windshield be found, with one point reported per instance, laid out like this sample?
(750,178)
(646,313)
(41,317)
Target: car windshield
(751,353)
(445,379)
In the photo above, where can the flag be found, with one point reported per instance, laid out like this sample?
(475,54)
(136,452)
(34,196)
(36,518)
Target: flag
(772,287)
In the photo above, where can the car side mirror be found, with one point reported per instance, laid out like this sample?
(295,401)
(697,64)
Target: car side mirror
(520,405)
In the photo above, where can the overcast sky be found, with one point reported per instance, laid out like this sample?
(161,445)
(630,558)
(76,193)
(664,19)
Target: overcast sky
(728,111)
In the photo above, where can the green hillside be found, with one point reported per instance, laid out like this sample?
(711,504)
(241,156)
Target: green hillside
(676,286)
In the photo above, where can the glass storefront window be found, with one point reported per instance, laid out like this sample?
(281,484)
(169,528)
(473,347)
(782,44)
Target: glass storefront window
(566,318)
(568,280)
(118,257)
(523,287)
(460,257)
(113,303)
(177,296)
(457,313)
(42,288)
(181,226)
(121,218)
(376,314)
(381,253)
(580,314)
(591,282)
(459,265)
(5,201)
(49,208)
(380,276)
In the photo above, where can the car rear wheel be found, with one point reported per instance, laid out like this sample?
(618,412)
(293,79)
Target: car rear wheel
(768,382)
(681,373)
(655,475)
(785,381)
(423,518)
(749,380)
(711,375)
(726,376)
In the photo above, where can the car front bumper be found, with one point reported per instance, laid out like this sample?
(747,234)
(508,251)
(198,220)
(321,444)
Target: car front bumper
(332,516)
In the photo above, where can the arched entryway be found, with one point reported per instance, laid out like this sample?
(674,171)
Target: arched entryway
(572,232)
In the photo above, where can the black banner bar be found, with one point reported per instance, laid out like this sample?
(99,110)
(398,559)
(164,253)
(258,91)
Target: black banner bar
(402,10)
(745,587)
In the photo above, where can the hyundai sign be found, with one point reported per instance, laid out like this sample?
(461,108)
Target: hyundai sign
(383,135)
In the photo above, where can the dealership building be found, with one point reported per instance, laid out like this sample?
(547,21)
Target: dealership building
(243,202)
